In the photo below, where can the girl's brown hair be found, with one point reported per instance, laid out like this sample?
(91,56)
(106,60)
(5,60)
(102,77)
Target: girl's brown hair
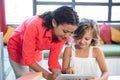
(84,26)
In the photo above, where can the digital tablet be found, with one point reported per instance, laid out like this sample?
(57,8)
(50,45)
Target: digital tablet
(74,77)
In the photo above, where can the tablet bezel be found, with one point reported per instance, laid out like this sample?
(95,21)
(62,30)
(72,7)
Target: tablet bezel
(74,77)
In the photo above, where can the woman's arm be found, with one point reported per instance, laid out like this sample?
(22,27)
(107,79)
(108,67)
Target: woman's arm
(47,75)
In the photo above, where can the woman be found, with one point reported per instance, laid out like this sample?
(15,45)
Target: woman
(51,31)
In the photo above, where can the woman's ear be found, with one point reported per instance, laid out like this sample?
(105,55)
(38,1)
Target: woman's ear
(54,24)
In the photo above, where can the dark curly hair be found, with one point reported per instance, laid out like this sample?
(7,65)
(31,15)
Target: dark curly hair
(61,15)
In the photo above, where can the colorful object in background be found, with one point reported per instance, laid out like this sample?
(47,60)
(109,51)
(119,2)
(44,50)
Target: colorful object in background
(8,33)
(3,26)
(115,35)
(105,33)
(31,76)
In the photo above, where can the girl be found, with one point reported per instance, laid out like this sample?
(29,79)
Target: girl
(49,31)
(83,55)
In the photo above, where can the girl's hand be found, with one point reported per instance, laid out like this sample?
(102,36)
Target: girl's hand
(70,70)
(94,79)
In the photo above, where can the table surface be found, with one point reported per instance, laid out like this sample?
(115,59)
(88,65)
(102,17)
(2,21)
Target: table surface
(114,78)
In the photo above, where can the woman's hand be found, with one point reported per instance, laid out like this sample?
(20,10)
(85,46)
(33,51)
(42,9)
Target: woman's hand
(54,74)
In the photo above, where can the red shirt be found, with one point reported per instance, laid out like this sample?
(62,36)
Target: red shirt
(29,39)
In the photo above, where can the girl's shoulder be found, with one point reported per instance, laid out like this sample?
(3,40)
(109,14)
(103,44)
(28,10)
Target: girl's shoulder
(97,51)
(96,48)
(68,50)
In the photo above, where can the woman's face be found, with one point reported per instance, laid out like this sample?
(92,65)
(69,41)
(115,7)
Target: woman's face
(63,31)
(85,41)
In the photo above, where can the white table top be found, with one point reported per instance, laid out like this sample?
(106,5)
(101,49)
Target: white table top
(110,78)
(114,78)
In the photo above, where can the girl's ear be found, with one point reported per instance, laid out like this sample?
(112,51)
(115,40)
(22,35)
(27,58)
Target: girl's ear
(54,23)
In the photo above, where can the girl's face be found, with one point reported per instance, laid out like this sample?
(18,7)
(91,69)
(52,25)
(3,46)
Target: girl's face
(85,41)
(63,31)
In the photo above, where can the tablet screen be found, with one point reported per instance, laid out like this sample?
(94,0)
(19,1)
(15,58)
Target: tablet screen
(74,77)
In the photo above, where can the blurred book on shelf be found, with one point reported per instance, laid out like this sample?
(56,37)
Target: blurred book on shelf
(31,76)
